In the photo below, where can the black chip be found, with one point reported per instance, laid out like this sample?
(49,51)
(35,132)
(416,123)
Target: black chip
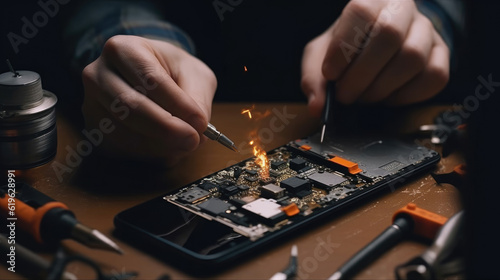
(251,171)
(295,184)
(303,193)
(193,195)
(278,164)
(229,190)
(207,186)
(251,179)
(297,164)
(243,187)
(214,206)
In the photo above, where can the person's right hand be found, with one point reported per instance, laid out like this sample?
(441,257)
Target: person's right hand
(157,96)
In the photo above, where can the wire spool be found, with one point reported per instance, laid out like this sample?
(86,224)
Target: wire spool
(28,133)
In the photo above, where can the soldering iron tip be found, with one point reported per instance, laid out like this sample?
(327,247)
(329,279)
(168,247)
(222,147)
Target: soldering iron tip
(295,251)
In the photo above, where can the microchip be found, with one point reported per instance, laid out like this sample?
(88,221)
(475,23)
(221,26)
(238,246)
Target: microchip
(243,187)
(193,195)
(266,208)
(207,186)
(326,180)
(303,193)
(272,191)
(251,171)
(267,180)
(229,190)
(214,206)
(295,184)
(277,165)
(297,164)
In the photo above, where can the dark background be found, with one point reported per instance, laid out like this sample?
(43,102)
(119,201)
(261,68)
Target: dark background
(268,40)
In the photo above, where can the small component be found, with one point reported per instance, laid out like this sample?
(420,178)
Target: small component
(208,186)
(326,180)
(251,172)
(346,165)
(305,147)
(267,180)
(193,195)
(278,165)
(303,193)
(272,191)
(243,187)
(266,209)
(291,209)
(297,163)
(237,218)
(229,190)
(237,172)
(251,179)
(237,202)
(274,173)
(295,185)
(214,206)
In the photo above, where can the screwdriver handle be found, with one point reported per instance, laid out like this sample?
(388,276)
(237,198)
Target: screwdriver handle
(28,218)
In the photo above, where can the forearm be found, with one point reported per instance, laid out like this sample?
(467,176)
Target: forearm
(95,22)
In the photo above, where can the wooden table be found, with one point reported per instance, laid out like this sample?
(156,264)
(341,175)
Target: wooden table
(97,188)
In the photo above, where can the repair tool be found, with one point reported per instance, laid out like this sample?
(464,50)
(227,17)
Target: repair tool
(441,259)
(409,219)
(28,135)
(457,178)
(291,270)
(27,262)
(213,134)
(329,99)
(48,221)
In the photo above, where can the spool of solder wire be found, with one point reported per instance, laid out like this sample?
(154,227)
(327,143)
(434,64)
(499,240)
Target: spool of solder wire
(28,135)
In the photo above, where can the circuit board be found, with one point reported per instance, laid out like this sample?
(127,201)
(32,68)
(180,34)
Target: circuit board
(302,178)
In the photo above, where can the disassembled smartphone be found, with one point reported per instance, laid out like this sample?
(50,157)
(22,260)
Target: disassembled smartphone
(245,207)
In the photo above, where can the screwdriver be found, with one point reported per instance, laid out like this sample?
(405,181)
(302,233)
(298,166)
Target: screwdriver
(407,220)
(52,222)
(329,98)
(213,134)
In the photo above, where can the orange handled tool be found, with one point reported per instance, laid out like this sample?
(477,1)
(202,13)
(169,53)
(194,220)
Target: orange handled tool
(28,218)
(407,220)
(48,221)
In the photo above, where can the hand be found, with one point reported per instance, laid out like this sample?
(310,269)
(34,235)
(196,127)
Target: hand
(157,96)
(376,51)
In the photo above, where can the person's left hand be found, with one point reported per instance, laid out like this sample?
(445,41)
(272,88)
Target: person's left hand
(383,50)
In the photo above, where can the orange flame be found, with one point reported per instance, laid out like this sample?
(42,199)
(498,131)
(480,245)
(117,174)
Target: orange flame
(260,155)
(261,160)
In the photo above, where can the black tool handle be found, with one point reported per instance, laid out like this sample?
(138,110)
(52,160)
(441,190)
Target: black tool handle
(386,240)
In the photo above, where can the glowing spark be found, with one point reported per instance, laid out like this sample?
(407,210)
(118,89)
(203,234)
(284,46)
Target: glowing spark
(245,68)
(247,111)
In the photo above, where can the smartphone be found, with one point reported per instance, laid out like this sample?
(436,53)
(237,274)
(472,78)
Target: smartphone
(245,208)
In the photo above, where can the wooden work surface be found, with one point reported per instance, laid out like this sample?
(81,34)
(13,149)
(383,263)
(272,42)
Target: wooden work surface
(97,188)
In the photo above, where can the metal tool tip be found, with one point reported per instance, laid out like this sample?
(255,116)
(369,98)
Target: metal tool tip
(323,133)
(295,251)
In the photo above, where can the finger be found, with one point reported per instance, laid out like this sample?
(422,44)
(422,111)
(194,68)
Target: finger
(386,37)
(407,63)
(347,38)
(147,74)
(429,82)
(200,83)
(313,83)
(139,113)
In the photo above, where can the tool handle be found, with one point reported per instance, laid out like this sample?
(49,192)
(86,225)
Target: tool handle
(425,223)
(28,219)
